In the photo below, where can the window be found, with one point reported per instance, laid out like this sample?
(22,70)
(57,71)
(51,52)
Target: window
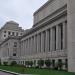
(17,34)
(4,31)
(21,34)
(14,54)
(53,63)
(4,35)
(15,44)
(9,33)
(13,33)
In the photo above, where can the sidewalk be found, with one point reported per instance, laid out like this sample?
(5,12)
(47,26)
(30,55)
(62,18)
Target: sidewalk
(10,72)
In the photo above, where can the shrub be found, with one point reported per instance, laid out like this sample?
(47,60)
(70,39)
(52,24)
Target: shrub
(34,63)
(27,63)
(0,63)
(13,63)
(60,65)
(40,63)
(30,63)
(5,63)
(47,63)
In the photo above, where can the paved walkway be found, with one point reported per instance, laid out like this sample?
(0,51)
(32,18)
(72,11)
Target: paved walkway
(3,73)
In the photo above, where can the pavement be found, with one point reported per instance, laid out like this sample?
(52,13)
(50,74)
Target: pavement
(3,73)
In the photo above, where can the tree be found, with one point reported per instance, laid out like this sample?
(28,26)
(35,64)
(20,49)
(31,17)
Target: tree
(13,63)
(66,64)
(0,63)
(34,63)
(47,63)
(5,63)
(27,63)
(40,63)
(31,63)
(60,65)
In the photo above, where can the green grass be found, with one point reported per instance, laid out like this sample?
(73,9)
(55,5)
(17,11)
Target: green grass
(35,71)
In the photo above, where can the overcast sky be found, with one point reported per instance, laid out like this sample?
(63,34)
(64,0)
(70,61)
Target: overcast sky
(20,11)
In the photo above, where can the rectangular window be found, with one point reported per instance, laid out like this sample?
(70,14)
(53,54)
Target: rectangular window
(17,34)
(14,54)
(4,31)
(4,35)
(13,33)
(53,63)
(15,44)
(9,33)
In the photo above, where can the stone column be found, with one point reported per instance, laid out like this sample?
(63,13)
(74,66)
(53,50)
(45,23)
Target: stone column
(34,45)
(51,36)
(52,39)
(42,42)
(57,37)
(71,34)
(37,43)
(24,47)
(64,35)
(29,46)
(47,41)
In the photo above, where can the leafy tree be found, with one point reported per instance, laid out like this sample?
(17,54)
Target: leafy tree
(0,63)
(13,63)
(66,64)
(60,65)
(27,63)
(5,63)
(40,63)
(34,63)
(31,63)
(47,63)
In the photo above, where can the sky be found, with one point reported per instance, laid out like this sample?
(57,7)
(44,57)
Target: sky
(20,11)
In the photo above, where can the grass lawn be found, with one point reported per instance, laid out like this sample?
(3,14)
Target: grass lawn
(35,71)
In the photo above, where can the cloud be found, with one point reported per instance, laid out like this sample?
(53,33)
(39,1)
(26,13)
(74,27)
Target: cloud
(20,11)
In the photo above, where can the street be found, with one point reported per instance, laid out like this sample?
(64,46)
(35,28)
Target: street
(3,73)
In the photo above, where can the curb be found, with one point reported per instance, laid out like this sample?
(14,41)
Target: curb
(9,72)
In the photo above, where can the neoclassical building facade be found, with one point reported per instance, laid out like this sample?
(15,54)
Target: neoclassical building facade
(52,36)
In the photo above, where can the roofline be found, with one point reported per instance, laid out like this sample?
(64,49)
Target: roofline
(63,13)
(44,5)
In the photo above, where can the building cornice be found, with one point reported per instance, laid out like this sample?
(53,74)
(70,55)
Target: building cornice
(62,12)
(43,6)
(55,12)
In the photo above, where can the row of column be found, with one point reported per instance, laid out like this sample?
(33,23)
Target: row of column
(51,39)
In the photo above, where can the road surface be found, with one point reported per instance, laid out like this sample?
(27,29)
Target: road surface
(3,73)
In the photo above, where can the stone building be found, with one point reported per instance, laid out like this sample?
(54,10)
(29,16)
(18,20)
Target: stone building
(11,28)
(52,36)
